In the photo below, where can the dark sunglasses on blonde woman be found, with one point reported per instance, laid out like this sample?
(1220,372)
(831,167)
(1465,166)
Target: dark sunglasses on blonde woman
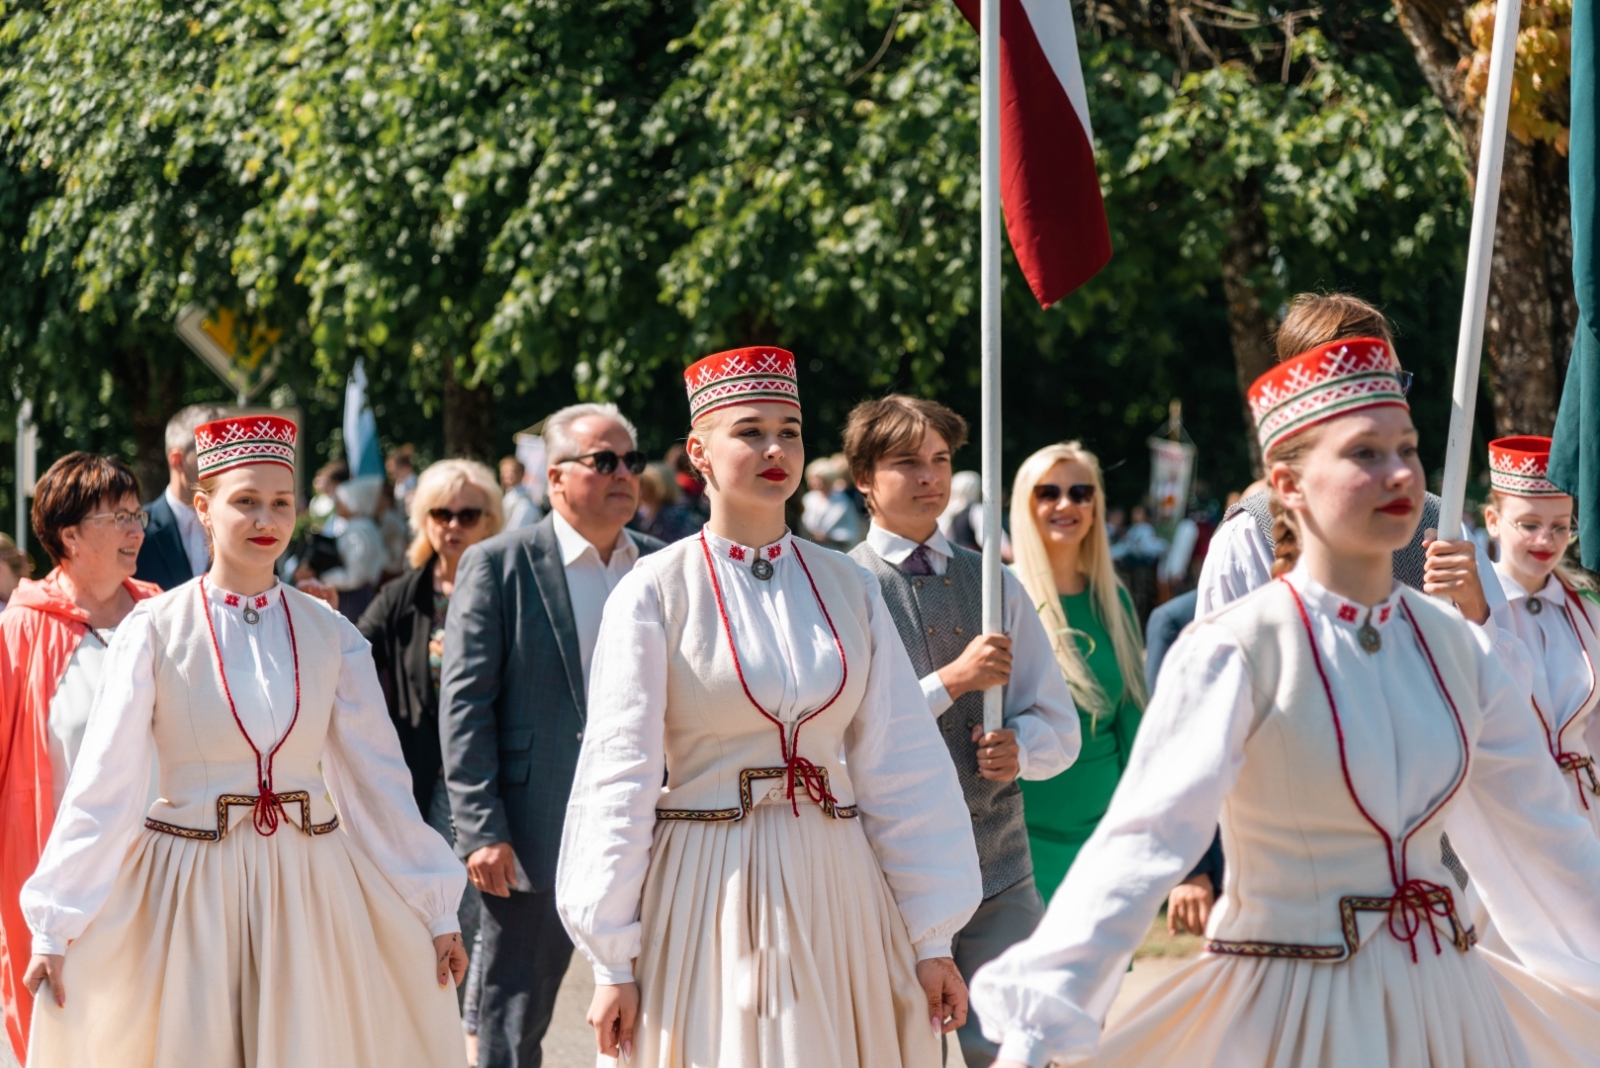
(467,518)
(1081,493)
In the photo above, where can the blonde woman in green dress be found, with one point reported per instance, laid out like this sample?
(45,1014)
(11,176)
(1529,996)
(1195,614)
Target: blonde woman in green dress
(1063,558)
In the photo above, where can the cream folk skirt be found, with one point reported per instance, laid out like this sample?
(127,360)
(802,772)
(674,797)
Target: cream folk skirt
(774,942)
(1375,1009)
(250,952)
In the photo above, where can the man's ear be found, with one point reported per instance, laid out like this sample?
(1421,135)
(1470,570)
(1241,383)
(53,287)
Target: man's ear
(175,459)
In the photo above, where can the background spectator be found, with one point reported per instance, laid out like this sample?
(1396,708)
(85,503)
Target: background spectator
(362,553)
(175,548)
(401,467)
(14,567)
(662,515)
(323,508)
(54,635)
(521,510)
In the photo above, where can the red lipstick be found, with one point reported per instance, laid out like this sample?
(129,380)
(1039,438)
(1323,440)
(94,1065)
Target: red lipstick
(1403,506)
(265,541)
(1541,556)
(775,474)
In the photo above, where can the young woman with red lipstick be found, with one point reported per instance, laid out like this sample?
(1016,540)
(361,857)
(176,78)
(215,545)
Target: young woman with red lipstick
(281,904)
(789,897)
(1337,723)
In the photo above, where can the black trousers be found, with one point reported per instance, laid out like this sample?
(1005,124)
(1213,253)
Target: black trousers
(525,953)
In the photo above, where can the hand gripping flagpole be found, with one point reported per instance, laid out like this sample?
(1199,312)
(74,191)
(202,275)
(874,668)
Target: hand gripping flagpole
(1480,256)
(989,165)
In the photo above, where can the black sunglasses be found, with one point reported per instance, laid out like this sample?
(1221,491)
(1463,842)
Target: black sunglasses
(605,461)
(467,517)
(1081,493)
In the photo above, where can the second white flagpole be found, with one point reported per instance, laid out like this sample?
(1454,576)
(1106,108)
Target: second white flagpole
(1480,257)
(989,167)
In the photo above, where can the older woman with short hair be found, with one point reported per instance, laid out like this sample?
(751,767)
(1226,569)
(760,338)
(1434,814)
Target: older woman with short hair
(53,640)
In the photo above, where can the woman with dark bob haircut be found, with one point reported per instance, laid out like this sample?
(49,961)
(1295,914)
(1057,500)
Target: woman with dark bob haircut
(53,639)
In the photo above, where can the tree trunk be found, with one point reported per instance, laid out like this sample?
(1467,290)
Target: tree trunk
(468,418)
(153,395)
(1249,326)
(1528,330)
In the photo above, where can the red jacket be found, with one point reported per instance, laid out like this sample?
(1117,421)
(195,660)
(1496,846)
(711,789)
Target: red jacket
(39,630)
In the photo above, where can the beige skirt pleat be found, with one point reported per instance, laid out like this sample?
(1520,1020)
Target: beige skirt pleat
(252,952)
(1376,1009)
(775,941)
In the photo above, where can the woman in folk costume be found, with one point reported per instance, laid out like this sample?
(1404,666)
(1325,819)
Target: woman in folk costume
(282,904)
(1553,615)
(789,896)
(1338,723)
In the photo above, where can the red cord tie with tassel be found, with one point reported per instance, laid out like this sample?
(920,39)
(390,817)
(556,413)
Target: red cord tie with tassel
(1415,904)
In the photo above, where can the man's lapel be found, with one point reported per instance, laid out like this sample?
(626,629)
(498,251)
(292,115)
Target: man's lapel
(551,575)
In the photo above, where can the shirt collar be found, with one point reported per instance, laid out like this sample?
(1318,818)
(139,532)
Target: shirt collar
(744,555)
(1349,613)
(1551,590)
(894,549)
(183,512)
(238,602)
(574,545)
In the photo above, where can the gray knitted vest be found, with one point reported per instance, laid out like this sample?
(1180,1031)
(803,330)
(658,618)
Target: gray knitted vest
(937,616)
(1408,562)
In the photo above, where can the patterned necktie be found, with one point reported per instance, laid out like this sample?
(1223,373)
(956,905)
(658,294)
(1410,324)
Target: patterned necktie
(918,562)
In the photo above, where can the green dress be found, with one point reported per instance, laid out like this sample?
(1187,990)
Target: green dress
(1061,813)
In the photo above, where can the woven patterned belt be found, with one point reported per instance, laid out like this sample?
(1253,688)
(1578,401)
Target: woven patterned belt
(1417,905)
(227,801)
(747,799)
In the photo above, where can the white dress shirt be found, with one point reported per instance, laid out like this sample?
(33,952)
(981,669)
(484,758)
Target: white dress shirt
(192,534)
(589,581)
(102,814)
(1559,675)
(1038,705)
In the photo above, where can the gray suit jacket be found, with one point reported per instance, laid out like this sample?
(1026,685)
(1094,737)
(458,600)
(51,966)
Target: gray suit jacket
(511,698)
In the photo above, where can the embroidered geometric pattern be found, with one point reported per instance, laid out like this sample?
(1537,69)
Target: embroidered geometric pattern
(257,439)
(1461,936)
(227,801)
(747,799)
(1518,466)
(1336,379)
(741,376)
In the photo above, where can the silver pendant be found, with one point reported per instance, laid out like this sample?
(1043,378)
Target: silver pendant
(251,615)
(1369,637)
(1535,606)
(761,569)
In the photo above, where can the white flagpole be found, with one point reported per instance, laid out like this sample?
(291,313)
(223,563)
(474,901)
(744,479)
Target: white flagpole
(1480,256)
(989,164)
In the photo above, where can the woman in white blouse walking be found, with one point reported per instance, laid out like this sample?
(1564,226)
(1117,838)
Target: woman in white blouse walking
(1338,723)
(789,897)
(243,919)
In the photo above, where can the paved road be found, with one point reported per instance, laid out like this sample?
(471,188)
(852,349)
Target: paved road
(570,1044)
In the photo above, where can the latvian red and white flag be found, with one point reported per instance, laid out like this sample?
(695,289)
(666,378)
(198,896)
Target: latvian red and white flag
(1048,182)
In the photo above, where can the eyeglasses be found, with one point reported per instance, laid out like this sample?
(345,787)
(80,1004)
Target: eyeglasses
(1405,378)
(1079,493)
(1533,530)
(605,461)
(124,520)
(467,518)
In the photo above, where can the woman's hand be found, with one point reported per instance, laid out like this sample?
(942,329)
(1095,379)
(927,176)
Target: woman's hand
(320,590)
(1452,571)
(612,1013)
(451,957)
(1189,905)
(46,966)
(947,994)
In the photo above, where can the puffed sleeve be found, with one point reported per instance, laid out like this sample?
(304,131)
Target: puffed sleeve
(1046,997)
(910,801)
(605,842)
(370,785)
(1531,854)
(106,798)
(1237,561)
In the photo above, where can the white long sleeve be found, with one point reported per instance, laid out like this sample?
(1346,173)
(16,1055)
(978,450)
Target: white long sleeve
(107,796)
(370,785)
(1237,561)
(1048,995)
(905,785)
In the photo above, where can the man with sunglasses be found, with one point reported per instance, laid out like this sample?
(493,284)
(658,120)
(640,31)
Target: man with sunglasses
(899,449)
(518,642)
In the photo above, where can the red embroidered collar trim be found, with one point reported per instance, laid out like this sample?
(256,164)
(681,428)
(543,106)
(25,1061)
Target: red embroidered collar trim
(741,554)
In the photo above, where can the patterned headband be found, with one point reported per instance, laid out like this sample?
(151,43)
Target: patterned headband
(754,375)
(1520,466)
(1332,380)
(242,440)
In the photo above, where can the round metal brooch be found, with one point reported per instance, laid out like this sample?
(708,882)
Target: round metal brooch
(251,615)
(1535,606)
(761,569)
(1369,637)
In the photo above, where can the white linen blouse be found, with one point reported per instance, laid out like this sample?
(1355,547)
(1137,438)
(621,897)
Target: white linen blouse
(791,666)
(1562,681)
(1512,825)
(106,800)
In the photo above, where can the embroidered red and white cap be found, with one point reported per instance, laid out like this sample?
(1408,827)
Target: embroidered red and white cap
(754,375)
(241,440)
(1324,383)
(1520,466)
